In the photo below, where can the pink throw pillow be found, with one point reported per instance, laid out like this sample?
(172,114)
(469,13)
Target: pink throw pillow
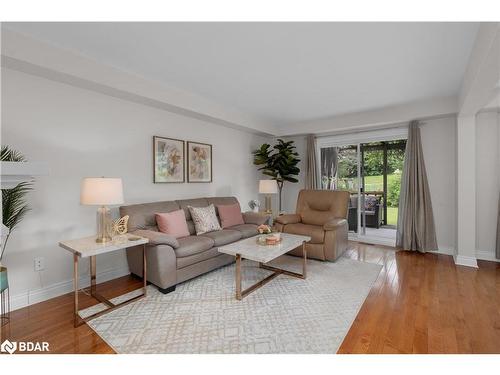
(230,215)
(173,223)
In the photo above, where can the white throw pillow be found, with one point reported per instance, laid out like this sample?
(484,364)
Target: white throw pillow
(204,219)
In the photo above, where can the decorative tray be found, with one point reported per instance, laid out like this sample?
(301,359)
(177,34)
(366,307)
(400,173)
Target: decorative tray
(264,242)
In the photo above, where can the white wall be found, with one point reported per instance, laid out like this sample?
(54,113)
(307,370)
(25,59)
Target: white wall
(487,182)
(438,143)
(81,133)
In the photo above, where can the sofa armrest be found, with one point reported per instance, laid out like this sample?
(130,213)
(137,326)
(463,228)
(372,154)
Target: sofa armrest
(289,219)
(255,218)
(334,224)
(157,238)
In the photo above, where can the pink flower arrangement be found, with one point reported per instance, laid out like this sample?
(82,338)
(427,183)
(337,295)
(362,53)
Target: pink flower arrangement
(264,229)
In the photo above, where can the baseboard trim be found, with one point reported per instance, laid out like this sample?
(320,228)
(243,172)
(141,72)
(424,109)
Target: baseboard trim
(462,260)
(486,255)
(39,295)
(444,250)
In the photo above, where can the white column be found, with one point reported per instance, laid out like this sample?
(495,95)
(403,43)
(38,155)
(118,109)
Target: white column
(466,191)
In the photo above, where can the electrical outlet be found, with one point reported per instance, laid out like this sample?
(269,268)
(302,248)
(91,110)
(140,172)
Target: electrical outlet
(39,263)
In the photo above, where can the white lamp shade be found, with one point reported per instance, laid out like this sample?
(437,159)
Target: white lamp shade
(268,187)
(101,191)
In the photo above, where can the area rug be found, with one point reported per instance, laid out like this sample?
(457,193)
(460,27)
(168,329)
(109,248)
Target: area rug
(287,315)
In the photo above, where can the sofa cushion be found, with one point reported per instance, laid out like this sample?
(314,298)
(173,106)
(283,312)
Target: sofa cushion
(328,203)
(223,237)
(256,218)
(247,230)
(173,223)
(193,245)
(142,216)
(316,233)
(219,201)
(230,215)
(370,202)
(314,217)
(157,238)
(204,218)
(196,258)
(184,203)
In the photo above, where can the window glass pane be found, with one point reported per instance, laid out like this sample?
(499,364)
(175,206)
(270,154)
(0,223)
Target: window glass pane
(347,174)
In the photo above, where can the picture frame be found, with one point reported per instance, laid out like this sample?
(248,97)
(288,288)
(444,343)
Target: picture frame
(199,162)
(169,161)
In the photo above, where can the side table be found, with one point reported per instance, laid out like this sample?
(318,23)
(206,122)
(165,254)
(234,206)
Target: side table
(88,248)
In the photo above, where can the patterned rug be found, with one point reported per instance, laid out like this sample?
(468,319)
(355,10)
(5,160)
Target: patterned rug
(287,315)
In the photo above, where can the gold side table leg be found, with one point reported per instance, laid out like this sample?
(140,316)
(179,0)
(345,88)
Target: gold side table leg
(75,286)
(144,275)
(238,277)
(93,278)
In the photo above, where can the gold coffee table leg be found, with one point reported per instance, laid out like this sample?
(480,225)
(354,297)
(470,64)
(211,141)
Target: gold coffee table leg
(144,270)
(302,275)
(240,294)
(238,277)
(304,260)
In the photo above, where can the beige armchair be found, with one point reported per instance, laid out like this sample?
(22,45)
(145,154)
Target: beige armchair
(321,215)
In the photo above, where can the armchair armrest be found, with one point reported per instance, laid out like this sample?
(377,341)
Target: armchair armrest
(334,224)
(289,219)
(157,238)
(255,218)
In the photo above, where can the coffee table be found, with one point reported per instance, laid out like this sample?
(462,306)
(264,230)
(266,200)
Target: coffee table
(250,249)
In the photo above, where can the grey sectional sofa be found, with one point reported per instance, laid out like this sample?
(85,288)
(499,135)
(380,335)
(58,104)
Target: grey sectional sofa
(171,261)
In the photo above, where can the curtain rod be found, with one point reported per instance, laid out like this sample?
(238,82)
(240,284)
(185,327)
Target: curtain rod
(393,125)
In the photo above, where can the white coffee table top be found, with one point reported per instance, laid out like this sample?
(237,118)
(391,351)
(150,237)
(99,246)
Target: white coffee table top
(86,247)
(250,249)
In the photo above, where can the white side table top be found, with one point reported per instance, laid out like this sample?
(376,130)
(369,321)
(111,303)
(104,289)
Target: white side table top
(250,249)
(86,247)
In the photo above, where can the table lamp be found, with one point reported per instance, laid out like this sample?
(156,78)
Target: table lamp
(102,191)
(268,187)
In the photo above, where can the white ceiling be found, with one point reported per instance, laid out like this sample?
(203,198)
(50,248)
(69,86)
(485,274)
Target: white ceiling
(281,72)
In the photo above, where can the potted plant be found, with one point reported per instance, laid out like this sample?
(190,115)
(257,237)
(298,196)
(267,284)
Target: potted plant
(279,162)
(14,207)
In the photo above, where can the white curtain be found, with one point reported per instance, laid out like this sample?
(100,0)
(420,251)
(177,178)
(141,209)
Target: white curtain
(416,229)
(311,165)
(329,162)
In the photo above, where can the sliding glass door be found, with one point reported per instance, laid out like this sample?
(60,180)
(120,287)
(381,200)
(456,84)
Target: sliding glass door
(381,167)
(371,172)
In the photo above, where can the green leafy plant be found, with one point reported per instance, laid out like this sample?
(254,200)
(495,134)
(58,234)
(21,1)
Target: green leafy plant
(394,190)
(14,206)
(279,162)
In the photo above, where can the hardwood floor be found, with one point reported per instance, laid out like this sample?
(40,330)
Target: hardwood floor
(426,304)
(418,304)
(52,321)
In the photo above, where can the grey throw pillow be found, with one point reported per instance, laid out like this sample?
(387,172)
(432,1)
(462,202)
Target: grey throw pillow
(204,219)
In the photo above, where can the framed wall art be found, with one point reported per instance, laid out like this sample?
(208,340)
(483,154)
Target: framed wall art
(199,157)
(168,160)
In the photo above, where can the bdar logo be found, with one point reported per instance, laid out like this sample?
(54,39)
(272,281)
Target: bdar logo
(8,347)
(23,346)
